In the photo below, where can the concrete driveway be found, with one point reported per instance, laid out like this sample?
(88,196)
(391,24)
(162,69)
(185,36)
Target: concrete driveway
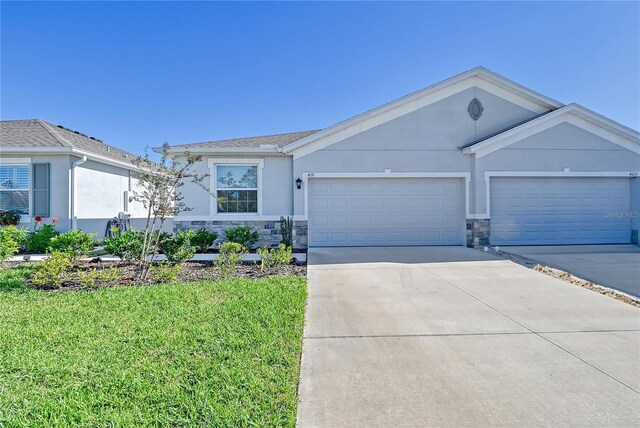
(448,336)
(614,266)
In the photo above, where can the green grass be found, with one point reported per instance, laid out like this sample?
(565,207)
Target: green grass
(15,278)
(197,354)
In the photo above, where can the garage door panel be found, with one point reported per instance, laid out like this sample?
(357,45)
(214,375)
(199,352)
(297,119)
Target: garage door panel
(538,211)
(386,212)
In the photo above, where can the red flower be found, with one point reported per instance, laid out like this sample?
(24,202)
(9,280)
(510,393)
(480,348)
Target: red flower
(38,218)
(54,220)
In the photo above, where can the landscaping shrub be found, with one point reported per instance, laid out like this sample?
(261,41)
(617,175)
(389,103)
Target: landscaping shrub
(203,239)
(273,258)
(39,240)
(11,239)
(178,249)
(92,277)
(228,258)
(87,278)
(286,229)
(75,243)
(126,245)
(164,272)
(242,235)
(9,218)
(52,271)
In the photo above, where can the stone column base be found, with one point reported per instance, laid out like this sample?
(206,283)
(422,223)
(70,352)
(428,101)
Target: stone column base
(478,231)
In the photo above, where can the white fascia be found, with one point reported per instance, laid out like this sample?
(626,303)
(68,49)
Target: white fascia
(573,114)
(69,151)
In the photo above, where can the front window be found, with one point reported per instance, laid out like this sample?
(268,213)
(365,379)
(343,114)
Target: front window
(14,189)
(237,188)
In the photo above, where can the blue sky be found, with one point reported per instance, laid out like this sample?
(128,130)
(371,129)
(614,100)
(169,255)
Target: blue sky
(141,74)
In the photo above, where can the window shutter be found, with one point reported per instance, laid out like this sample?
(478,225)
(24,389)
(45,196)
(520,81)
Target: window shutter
(41,189)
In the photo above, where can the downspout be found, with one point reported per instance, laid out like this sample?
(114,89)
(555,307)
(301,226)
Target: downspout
(72,199)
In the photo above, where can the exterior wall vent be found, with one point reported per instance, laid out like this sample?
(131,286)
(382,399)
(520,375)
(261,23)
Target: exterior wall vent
(475,109)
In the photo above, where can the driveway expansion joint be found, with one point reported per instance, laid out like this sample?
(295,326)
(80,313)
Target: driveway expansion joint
(536,333)
(496,333)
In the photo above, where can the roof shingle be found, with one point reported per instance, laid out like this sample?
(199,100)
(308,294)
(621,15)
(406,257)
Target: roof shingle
(279,140)
(39,133)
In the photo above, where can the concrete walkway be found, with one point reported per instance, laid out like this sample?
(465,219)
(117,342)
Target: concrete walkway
(448,336)
(614,266)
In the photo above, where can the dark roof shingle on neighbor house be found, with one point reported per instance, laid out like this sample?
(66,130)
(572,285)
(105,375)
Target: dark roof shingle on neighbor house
(39,133)
(278,140)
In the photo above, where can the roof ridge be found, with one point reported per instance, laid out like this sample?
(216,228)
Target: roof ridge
(47,127)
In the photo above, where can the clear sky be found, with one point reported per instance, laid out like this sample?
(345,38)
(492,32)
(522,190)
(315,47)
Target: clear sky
(141,74)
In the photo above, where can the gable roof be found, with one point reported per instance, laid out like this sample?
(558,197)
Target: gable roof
(515,125)
(271,141)
(479,77)
(572,113)
(42,136)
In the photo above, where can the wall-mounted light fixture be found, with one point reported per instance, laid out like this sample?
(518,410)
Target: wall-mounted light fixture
(299,183)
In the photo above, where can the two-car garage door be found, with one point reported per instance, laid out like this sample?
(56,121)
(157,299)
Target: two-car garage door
(431,211)
(386,211)
(568,210)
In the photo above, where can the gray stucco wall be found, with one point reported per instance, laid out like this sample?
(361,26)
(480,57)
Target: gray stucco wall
(562,146)
(425,140)
(277,185)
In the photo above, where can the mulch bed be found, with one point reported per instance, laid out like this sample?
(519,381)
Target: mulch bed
(191,271)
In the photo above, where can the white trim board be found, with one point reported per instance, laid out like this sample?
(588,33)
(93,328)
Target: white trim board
(573,114)
(15,161)
(557,174)
(477,77)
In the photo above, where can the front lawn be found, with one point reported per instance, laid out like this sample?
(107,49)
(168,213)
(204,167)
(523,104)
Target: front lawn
(223,353)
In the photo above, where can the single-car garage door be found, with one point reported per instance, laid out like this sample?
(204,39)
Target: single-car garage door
(548,211)
(386,211)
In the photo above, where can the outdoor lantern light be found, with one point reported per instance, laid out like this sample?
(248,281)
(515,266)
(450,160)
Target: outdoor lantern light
(299,183)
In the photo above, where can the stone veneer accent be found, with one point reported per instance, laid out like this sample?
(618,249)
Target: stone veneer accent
(478,231)
(269,230)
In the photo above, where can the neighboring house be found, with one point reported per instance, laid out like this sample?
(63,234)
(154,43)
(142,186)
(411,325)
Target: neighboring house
(50,171)
(472,160)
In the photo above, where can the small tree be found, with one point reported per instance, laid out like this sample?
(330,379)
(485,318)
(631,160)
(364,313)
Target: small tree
(160,196)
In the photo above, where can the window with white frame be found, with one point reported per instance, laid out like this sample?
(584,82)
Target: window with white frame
(14,188)
(237,188)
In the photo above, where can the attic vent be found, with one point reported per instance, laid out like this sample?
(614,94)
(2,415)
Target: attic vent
(475,109)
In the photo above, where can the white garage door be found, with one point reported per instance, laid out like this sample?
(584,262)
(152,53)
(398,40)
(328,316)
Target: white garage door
(386,211)
(538,211)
